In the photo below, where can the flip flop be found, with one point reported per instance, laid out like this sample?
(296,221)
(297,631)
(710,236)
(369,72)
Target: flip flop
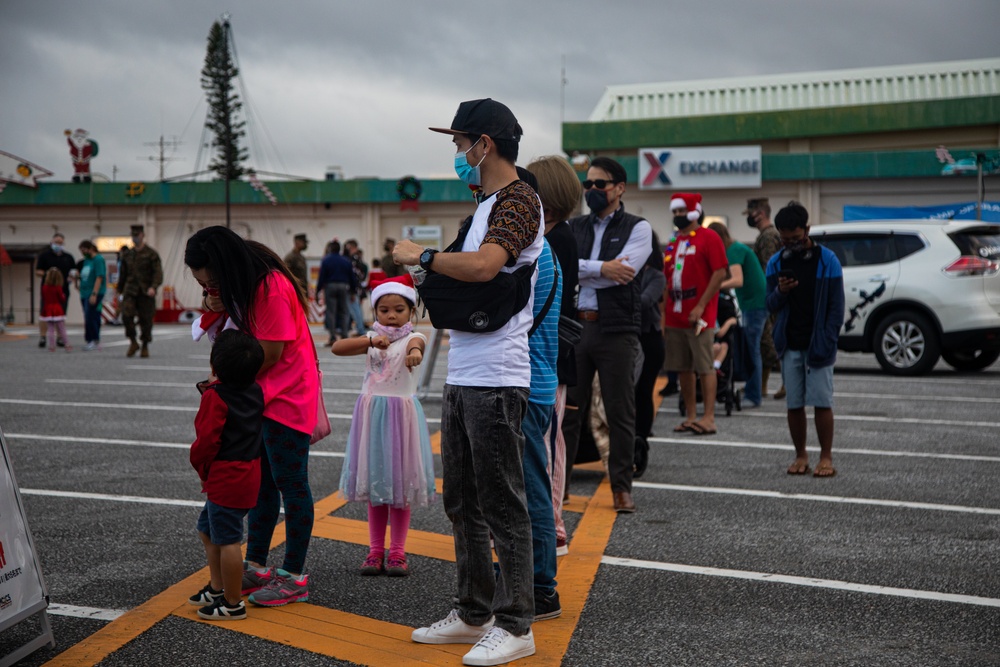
(684,427)
(824,471)
(698,429)
(794,470)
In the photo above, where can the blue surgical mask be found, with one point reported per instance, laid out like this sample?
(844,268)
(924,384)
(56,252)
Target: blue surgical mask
(469,174)
(56,247)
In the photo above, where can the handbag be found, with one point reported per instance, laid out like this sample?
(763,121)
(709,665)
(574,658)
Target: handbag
(323,427)
(570,331)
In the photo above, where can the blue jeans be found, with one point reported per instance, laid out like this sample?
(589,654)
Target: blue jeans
(481,451)
(92,319)
(354,310)
(538,490)
(753,329)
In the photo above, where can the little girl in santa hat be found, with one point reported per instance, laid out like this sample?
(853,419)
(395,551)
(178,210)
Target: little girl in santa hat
(388,461)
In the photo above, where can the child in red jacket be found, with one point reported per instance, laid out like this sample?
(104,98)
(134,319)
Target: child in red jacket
(53,311)
(226,454)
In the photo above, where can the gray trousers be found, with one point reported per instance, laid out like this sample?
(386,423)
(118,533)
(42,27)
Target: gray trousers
(336,317)
(482,448)
(613,357)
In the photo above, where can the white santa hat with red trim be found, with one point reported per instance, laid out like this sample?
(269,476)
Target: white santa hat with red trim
(401,285)
(687,200)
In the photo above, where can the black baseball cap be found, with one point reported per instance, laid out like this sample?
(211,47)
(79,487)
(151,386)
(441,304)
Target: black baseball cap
(489,117)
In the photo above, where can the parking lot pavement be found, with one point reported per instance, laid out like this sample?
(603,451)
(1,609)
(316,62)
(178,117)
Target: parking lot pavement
(728,560)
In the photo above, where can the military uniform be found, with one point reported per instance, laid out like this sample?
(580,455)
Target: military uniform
(296,263)
(767,244)
(141,269)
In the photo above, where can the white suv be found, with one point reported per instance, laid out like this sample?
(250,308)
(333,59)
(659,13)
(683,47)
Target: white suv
(917,290)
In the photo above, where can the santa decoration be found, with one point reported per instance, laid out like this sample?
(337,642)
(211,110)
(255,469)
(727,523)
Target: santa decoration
(81,149)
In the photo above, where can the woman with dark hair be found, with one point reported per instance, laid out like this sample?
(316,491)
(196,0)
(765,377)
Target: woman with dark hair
(651,286)
(253,286)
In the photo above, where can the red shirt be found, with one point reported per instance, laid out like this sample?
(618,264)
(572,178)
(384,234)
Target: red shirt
(703,255)
(52,301)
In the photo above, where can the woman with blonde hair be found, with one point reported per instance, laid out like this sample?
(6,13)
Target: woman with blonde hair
(560,191)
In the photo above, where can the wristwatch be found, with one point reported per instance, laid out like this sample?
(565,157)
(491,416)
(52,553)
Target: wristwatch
(426,257)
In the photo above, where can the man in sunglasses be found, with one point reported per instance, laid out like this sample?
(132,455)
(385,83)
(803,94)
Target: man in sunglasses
(613,245)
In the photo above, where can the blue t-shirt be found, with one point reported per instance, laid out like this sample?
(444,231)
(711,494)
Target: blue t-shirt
(89,273)
(543,346)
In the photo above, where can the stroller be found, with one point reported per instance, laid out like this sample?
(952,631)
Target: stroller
(735,365)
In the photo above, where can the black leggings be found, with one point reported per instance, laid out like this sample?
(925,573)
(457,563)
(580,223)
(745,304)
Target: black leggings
(653,350)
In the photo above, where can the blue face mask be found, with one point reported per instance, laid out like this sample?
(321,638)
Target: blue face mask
(469,174)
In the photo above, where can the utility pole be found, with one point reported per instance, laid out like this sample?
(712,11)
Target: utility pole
(562,93)
(162,157)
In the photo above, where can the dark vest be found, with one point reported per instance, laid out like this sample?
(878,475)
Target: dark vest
(620,306)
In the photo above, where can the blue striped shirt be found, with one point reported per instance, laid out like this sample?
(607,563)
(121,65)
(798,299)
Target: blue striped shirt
(543,346)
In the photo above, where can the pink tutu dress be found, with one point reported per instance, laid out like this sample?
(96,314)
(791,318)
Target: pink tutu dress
(389,460)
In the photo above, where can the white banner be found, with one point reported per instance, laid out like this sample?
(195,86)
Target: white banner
(428,236)
(21,585)
(697,169)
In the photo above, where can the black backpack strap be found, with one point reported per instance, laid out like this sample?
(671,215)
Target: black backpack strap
(548,302)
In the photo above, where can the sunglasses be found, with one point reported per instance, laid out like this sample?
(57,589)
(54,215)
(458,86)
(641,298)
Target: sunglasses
(599,183)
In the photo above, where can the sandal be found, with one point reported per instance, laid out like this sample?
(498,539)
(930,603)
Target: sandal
(824,470)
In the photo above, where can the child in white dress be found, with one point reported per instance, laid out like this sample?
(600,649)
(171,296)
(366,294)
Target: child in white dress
(388,461)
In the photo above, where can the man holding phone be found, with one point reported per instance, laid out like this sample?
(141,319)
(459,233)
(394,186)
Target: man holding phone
(805,289)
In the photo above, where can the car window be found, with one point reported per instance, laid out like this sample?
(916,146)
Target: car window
(860,249)
(907,244)
(979,241)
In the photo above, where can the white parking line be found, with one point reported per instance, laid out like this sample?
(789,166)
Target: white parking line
(820,498)
(84,612)
(840,450)
(165,408)
(864,418)
(804,581)
(117,498)
(136,443)
(847,376)
(911,397)
(182,385)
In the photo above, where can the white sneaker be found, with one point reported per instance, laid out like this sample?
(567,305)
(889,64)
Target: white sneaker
(499,646)
(452,630)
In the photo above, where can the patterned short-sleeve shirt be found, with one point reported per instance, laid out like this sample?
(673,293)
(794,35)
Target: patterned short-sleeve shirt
(513,222)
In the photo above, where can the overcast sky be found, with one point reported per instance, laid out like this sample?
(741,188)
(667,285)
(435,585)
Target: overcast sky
(356,84)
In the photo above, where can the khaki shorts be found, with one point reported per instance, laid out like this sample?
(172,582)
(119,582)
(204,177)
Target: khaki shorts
(687,352)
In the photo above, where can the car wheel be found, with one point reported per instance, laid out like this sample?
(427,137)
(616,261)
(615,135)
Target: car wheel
(906,344)
(970,360)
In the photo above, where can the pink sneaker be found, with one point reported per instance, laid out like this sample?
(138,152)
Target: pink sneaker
(374,565)
(396,566)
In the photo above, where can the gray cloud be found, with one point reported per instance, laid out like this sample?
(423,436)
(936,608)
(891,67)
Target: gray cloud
(356,84)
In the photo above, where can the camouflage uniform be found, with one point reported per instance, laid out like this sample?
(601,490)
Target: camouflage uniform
(296,263)
(141,269)
(767,244)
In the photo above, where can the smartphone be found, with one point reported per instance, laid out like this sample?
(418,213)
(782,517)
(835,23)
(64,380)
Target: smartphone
(786,273)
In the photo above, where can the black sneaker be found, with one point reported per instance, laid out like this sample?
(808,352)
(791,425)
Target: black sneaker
(60,343)
(206,597)
(221,611)
(41,342)
(547,606)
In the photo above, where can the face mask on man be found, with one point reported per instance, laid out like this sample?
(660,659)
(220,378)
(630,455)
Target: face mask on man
(681,221)
(597,200)
(56,247)
(752,220)
(469,174)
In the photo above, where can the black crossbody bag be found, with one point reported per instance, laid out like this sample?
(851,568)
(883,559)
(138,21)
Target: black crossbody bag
(475,307)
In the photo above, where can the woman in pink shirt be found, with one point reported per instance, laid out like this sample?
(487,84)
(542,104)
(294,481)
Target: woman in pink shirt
(253,286)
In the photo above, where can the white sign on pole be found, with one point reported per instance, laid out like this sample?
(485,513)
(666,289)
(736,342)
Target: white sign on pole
(699,168)
(426,235)
(22,588)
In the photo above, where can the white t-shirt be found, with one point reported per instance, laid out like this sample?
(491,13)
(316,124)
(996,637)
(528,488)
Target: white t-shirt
(498,358)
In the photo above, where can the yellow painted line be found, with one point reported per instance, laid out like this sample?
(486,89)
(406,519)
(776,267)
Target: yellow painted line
(436,443)
(418,542)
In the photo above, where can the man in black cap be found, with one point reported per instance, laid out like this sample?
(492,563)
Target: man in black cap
(140,276)
(485,398)
(296,262)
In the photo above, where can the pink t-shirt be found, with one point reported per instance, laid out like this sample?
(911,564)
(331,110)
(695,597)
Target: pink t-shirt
(291,386)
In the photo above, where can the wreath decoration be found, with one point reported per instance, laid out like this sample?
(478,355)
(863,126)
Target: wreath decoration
(409,188)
